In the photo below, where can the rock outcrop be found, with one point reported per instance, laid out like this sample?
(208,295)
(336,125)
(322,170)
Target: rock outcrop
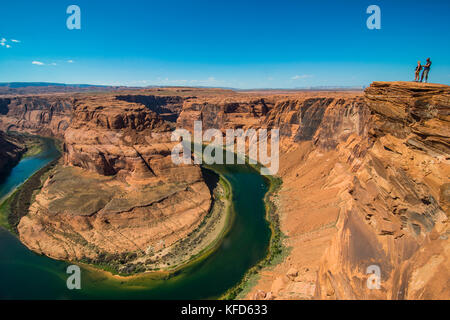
(118,191)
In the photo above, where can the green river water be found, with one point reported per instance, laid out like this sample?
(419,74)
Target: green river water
(26,275)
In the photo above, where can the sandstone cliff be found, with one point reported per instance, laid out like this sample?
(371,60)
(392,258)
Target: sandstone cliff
(396,209)
(224,112)
(365,184)
(43,115)
(11,150)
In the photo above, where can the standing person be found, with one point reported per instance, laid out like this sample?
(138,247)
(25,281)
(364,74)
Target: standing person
(418,69)
(426,69)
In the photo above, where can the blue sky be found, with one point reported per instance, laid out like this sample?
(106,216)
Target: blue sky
(242,44)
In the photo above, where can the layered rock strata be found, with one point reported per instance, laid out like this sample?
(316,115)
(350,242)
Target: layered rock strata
(12,149)
(118,190)
(367,192)
(43,115)
(396,208)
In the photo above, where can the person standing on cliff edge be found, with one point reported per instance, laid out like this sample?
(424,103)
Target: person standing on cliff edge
(426,69)
(417,73)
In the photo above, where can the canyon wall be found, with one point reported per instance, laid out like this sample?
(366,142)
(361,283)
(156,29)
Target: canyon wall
(365,189)
(12,149)
(47,115)
(224,112)
(396,210)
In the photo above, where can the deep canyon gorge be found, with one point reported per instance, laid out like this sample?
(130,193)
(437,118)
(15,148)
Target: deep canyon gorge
(365,181)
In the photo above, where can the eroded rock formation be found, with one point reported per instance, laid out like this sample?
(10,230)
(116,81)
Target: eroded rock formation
(118,190)
(367,187)
(396,210)
(365,181)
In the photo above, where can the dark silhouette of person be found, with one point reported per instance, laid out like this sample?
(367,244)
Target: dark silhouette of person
(426,69)
(418,69)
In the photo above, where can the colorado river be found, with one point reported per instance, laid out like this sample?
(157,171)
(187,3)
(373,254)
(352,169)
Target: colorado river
(26,275)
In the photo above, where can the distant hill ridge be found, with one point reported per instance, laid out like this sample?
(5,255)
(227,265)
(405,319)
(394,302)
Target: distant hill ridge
(17,88)
(54,87)
(45,84)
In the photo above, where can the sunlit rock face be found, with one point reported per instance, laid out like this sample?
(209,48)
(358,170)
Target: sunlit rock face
(117,190)
(394,214)
(47,115)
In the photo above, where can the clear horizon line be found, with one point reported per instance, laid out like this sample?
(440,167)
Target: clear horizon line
(43,83)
